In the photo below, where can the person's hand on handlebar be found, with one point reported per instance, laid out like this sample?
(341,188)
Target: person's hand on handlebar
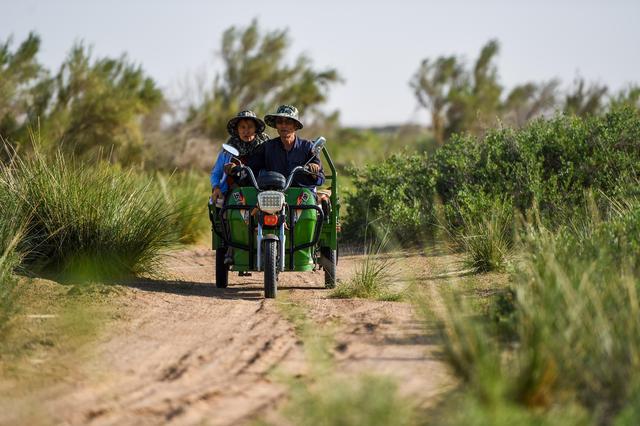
(216,193)
(313,168)
(228,168)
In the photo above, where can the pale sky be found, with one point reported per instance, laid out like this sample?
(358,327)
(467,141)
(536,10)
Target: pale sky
(375,45)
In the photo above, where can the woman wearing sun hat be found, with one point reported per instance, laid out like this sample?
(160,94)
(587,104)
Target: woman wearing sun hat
(246,132)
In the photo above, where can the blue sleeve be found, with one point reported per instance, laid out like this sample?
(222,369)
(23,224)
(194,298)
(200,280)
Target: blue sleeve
(217,173)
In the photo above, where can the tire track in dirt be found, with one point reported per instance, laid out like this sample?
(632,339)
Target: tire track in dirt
(188,353)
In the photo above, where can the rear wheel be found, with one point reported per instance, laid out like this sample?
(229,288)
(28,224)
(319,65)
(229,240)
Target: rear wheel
(270,269)
(222,270)
(329,260)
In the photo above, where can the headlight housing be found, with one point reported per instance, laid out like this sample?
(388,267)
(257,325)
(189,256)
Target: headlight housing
(270,201)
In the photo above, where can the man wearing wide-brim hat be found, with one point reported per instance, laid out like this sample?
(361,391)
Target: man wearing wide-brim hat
(284,153)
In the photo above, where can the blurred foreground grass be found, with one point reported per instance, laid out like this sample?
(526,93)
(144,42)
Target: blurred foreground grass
(561,343)
(325,396)
(50,343)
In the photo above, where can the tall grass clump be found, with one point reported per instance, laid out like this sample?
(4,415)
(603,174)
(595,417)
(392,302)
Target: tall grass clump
(11,228)
(87,221)
(186,194)
(485,234)
(569,340)
(8,290)
(373,276)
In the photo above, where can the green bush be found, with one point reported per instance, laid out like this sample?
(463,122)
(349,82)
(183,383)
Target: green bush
(396,192)
(550,164)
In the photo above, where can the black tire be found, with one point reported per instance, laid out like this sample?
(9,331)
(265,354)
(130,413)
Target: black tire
(270,269)
(329,260)
(222,269)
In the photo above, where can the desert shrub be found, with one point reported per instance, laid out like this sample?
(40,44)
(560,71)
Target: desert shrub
(550,165)
(396,192)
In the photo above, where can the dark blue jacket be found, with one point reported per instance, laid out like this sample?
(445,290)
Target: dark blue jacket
(272,156)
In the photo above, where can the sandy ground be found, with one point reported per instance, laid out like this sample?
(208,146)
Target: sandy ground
(185,352)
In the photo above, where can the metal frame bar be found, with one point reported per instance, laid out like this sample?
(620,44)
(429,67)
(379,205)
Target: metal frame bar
(316,232)
(335,205)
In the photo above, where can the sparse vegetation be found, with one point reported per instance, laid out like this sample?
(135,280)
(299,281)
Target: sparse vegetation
(367,400)
(373,277)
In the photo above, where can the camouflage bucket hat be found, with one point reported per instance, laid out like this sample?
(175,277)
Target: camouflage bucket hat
(232,125)
(287,111)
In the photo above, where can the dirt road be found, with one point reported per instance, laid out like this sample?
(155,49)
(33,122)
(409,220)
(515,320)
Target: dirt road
(185,352)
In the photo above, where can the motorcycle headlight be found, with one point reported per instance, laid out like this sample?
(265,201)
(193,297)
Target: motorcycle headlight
(270,201)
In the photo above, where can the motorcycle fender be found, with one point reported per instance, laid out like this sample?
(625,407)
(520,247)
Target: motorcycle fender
(273,237)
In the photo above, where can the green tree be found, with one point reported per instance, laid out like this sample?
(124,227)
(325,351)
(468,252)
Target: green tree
(475,106)
(98,105)
(22,96)
(459,99)
(433,85)
(629,96)
(528,101)
(583,100)
(256,76)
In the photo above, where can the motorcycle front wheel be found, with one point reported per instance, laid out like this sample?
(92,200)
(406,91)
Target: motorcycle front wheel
(329,261)
(270,269)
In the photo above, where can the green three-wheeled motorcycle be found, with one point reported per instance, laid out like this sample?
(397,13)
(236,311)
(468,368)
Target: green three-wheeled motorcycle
(272,227)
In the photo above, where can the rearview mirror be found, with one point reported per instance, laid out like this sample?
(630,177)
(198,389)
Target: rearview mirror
(230,149)
(317,146)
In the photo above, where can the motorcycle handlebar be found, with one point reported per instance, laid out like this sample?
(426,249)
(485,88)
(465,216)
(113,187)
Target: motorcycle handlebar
(255,183)
(250,173)
(293,173)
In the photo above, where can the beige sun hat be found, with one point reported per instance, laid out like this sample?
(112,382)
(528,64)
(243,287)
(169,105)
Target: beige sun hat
(287,111)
